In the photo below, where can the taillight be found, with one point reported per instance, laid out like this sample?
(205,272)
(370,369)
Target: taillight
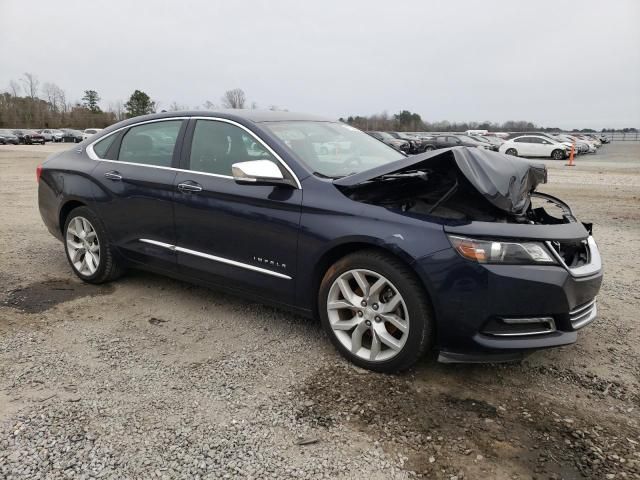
(38,172)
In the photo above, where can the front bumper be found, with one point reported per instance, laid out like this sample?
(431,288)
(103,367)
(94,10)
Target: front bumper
(470,300)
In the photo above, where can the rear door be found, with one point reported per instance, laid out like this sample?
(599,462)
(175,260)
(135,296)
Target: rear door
(239,236)
(135,189)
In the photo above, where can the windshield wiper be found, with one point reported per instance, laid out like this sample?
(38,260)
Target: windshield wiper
(409,174)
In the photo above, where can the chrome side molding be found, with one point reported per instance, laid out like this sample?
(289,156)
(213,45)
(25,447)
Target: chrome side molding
(214,258)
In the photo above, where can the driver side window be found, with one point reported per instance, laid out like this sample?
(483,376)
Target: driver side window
(216,146)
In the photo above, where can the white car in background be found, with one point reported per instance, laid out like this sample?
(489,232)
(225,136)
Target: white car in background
(52,135)
(88,132)
(535,146)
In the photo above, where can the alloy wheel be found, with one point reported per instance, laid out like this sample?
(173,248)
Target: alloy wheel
(368,315)
(83,246)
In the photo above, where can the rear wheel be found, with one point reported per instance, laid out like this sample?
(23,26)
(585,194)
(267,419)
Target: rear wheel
(88,248)
(512,151)
(375,311)
(557,154)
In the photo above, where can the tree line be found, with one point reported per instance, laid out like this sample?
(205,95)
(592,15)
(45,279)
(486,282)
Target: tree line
(406,121)
(29,104)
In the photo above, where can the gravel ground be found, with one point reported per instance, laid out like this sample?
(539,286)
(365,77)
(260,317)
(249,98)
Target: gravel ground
(154,378)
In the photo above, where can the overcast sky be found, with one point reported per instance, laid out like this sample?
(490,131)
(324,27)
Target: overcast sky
(556,63)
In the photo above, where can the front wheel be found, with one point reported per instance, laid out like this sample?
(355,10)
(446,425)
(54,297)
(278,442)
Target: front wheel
(375,311)
(88,248)
(557,154)
(512,151)
(429,148)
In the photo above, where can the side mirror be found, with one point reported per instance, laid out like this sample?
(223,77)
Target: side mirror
(258,172)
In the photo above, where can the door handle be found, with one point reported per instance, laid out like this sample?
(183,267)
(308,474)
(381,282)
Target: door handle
(189,187)
(113,175)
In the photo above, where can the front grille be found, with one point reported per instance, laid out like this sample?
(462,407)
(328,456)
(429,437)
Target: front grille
(583,314)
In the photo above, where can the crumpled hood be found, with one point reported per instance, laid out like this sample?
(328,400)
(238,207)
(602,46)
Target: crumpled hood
(504,180)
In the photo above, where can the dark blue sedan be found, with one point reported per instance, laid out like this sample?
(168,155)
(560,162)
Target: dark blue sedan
(452,250)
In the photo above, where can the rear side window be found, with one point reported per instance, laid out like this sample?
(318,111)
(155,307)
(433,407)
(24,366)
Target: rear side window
(103,145)
(151,143)
(217,146)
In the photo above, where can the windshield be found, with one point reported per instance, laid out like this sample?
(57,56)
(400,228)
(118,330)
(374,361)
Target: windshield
(479,139)
(468,139)
(333,149)
(386,135)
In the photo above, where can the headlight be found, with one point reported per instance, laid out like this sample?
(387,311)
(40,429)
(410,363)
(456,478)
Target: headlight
(498,251)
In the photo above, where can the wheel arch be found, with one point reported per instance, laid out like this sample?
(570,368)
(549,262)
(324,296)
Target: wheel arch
(66,209)
(336,252)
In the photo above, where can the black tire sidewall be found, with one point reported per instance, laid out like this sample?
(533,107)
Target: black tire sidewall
(415,298)
(513,151)
(101,273)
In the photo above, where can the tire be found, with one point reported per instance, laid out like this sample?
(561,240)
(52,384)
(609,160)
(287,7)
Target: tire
(429,148)
(399,303)
(557,154)
(512,151)
(108,268)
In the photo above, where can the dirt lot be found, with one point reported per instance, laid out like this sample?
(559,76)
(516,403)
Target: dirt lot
(153,378)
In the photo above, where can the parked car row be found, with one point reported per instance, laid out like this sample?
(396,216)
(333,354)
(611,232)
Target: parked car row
(28,136)
(525,144)
(21,136)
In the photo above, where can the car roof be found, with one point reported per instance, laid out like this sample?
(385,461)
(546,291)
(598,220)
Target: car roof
(544,137)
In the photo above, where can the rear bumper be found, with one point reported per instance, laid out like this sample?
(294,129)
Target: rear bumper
(470,300)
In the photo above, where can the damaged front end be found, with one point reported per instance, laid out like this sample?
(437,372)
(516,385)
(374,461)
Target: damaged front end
(522,274)
(481,197)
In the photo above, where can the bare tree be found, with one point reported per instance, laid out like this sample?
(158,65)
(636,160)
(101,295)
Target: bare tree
(55,96)
(62,100)
(31,84)
(234,98)
(14,87)
(209,105)
(49,90)
(175,107)
(117,108)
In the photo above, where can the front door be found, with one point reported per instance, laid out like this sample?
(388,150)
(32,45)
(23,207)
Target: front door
(135,190)
(240,236)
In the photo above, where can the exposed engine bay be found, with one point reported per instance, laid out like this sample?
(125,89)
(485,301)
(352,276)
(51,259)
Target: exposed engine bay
(479,186)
